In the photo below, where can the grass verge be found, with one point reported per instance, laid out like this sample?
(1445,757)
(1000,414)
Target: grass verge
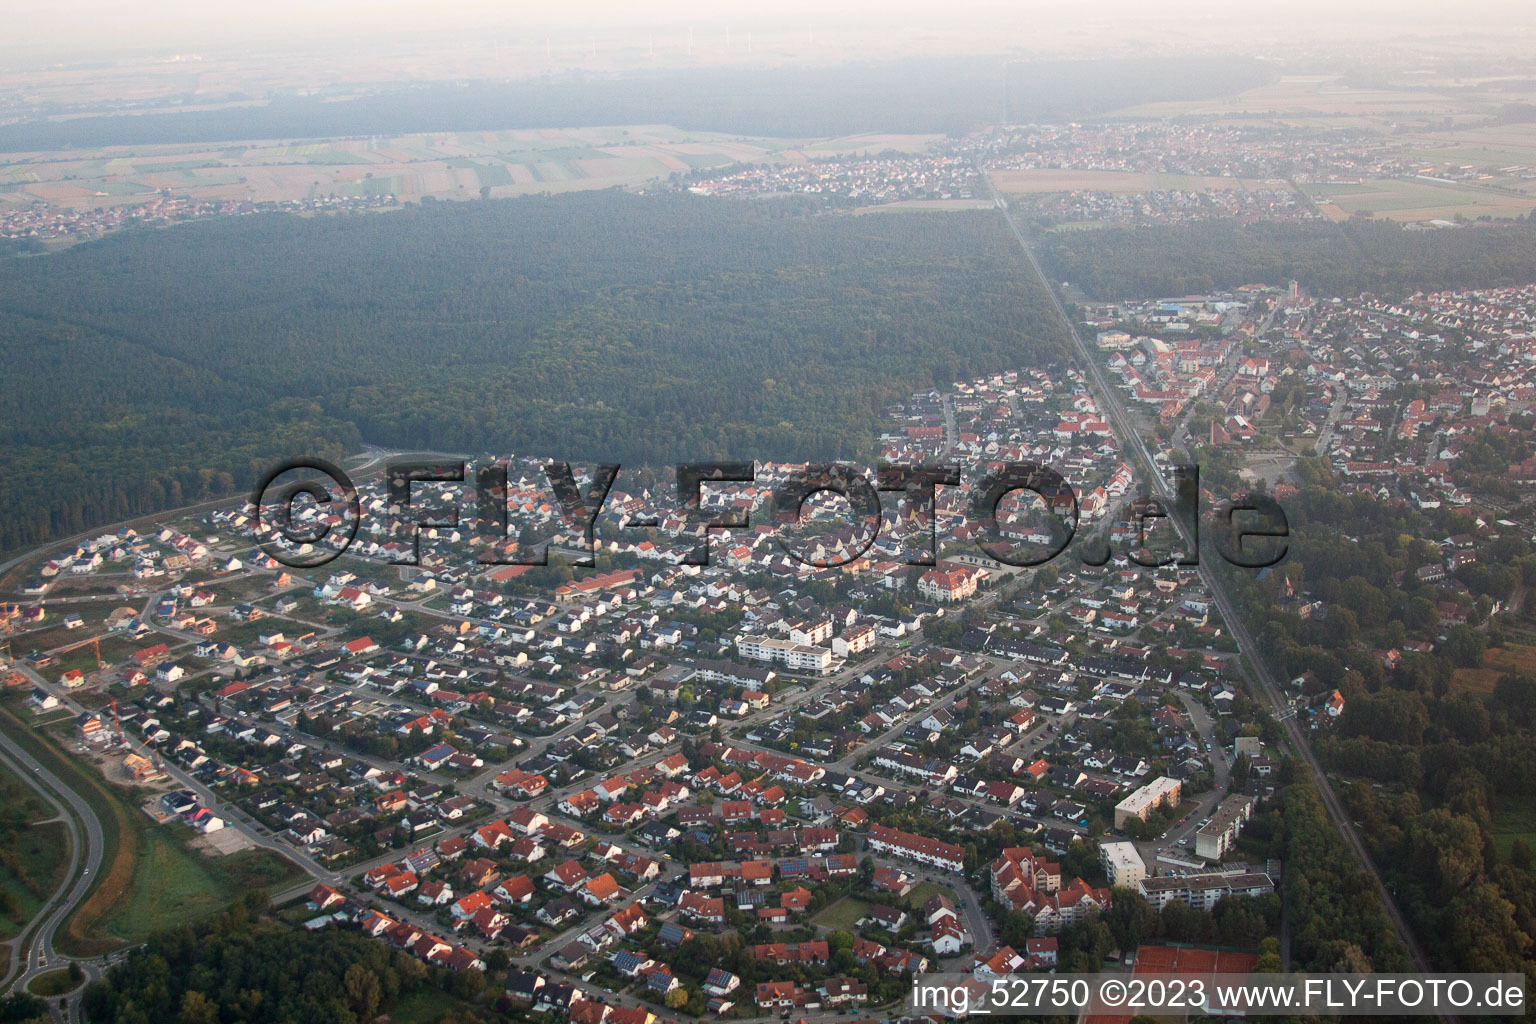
(32,864)
(53,983)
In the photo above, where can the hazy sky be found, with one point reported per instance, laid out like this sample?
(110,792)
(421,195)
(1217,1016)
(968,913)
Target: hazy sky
(80,29)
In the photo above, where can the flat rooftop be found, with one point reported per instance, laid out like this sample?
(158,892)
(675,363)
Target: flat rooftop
(1172,883)
(1229,811)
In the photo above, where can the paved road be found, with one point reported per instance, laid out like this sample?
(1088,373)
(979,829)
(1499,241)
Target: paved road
(1180,437)
(976,922)
(85,865)
(951,435)
(233,817)
(479,787)
(21,946)
(41,956)
(1206,804)
(1260,673)
(1325,436)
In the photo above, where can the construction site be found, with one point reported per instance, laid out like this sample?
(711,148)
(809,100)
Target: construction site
(119,757)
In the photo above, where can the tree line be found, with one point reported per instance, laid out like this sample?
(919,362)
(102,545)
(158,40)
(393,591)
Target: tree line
(1359,255)
(157,367)
(1438,771)
(238,969)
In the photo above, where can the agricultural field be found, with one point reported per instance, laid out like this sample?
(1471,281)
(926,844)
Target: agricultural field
(1417,199)
(1503,155)
(443,165)
(933,205)
(1497,661)
(1302,96)
(863,145)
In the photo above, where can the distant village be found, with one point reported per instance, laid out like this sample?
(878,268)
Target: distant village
(1193,172)
(42,222)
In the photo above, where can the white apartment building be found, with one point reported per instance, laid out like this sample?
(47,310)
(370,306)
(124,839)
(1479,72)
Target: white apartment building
(1216,836)
(793,656)
(1202,891)
(1122,863)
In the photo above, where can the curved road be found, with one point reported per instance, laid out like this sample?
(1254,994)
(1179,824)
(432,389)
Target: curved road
(77,815)
(22,940)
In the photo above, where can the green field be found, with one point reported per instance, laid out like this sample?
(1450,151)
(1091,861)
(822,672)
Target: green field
(422,1007)
(173,884)
(245,634)
(925,891)
(1171,180)
(31,867)
(1513,823)
(1490,157)
(39,719)
(1410,199)
(32,856)
(841,915)
(1390,194)
(53,983)
(491,175)
(238,591)
(410,165)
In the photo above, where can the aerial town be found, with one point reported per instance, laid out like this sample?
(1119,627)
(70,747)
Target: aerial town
(756,757)
(767,513)
(865,767)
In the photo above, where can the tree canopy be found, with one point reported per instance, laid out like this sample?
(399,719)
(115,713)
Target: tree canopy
(158,367)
